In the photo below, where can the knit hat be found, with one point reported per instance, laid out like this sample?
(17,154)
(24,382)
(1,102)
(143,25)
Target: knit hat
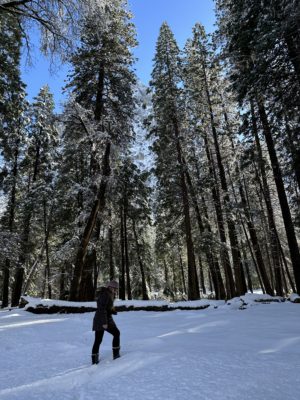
(112,284)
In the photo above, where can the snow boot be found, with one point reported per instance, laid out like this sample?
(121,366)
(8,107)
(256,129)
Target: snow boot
(95,358)
(116,352)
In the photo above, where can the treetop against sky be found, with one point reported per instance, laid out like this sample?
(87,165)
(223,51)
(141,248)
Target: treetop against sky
(181,15)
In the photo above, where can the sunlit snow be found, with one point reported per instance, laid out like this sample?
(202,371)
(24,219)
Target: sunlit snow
(218,353)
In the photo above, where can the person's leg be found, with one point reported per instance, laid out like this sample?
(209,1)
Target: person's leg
(96,346)
(116,341)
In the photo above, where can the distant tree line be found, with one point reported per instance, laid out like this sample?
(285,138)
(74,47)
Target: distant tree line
(216,212)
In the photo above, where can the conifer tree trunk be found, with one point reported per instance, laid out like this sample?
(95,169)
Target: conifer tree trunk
(212,261)
(87,285)
(141,264)
(174,291)
(87,290)
(283,258)
(182,271)
(254,261)
(291,40)
(212,264)
(5,284)
(19,276)
(236,257)
(230,286)
(210,282)
(95,270)
(267,197)
(127,264)
(62,283)
(97,254)
(166,272)
(98,206)
(17,288)
(201,274)
(285,288)
(111,259)
(122,291)
(12,206)
(267,234)
(286,214)
(250,286)
(193,286)
(255,244)
(294,151)
(47,226)
(259,262)
(111,249)
(99,203)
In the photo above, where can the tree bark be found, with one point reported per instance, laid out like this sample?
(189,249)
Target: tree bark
(255,244)
(201,274)
(193,286)
(122,291)
(18,284)
(111,249)
(286,214)
(87,290)
(96,258)
(98,206)
(47,227)
(127,264)
(267,197)
(293,51)
(236,256)
(141,264)
(100,201)
(5,284)
(12,207)
(212,263)
(230,286)
(294,149)
(258,261)
(62,286)
(182,271)
(250,286)
(17,289)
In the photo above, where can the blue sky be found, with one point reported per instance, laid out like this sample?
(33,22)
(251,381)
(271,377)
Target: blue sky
(181,15)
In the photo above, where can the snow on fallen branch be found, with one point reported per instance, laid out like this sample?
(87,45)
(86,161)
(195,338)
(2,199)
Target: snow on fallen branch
(251,299)
(294,298)
(47,306)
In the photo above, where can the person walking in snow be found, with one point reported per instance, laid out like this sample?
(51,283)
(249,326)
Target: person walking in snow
(103,320)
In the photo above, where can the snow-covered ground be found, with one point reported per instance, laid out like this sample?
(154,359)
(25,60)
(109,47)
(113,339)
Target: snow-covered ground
(217,353)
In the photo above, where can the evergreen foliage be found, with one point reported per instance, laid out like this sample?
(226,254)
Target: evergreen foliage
(186,189)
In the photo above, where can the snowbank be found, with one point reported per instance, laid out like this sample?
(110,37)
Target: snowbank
(210,354)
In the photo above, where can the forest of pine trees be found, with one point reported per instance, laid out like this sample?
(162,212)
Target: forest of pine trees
(185,189)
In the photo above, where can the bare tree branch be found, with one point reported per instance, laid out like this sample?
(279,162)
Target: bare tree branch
(14,3)
(58,21)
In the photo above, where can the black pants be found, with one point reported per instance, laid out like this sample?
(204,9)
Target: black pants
(99,336)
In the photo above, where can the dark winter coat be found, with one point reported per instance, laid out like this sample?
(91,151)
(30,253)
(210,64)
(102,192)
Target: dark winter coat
(105,310)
